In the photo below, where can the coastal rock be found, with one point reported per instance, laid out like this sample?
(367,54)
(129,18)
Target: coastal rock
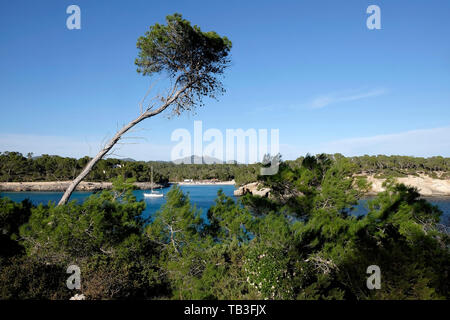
(426,185)
(254,188)
(239,192)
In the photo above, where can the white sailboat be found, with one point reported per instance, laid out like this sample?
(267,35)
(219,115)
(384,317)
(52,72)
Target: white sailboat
(153,194)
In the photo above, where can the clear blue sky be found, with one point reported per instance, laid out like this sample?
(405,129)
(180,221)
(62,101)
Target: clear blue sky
(311,69)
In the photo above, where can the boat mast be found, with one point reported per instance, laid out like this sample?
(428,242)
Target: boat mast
(151,186)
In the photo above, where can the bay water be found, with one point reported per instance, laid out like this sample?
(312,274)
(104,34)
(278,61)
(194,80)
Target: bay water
(202,196)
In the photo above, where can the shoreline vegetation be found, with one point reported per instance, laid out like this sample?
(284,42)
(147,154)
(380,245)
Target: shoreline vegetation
(16,167)
(19,173)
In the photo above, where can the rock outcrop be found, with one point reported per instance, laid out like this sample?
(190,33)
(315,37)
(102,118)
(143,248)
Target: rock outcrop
(254,188)
(426,185)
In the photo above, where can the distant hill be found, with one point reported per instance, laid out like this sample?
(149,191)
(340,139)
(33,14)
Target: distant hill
(197,160)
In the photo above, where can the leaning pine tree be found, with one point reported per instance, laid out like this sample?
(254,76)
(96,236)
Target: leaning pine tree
(193,61)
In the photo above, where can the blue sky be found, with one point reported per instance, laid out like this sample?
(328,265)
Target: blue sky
(311,69)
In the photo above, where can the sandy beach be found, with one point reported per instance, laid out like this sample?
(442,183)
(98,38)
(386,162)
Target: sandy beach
(204,183)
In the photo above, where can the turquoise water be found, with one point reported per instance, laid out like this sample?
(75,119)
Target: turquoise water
(202,196)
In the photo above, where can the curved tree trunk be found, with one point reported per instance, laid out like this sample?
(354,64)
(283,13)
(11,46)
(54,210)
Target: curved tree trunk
(113,141)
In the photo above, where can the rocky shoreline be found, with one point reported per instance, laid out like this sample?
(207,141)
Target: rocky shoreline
(427,186)
(61,186)
(253,188)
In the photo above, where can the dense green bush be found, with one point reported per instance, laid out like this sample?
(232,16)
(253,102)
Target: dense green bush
(103,236)
(12,216)
(302,242)
(15,167)
(28,277)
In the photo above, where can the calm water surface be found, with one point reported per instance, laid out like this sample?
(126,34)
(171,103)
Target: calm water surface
(202,196)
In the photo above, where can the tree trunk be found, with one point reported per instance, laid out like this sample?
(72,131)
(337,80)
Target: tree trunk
(113,141)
